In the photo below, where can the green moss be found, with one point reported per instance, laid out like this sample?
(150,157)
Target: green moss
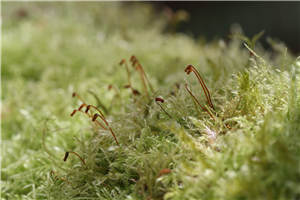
(249,149)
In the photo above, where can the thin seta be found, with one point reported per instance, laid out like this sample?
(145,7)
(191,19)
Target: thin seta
(188,70)
(104,125)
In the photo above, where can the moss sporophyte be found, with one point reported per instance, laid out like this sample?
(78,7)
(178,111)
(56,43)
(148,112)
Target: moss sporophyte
(191,68)
(188,70)
(76,154)
(217,135)
(103,123)
(160,100)
(143,77)
(94,116)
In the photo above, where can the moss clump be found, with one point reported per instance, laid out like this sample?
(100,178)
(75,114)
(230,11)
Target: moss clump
(246,147)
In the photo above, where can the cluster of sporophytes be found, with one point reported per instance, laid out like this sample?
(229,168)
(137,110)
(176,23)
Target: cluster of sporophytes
(209,121)
(178,145)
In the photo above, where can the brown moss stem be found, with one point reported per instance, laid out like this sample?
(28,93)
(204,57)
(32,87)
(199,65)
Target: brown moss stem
(191,68)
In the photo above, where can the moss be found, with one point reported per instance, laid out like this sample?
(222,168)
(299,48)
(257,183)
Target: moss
(246,147)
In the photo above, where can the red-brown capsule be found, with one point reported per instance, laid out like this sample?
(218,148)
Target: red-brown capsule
(135,92)
(189,69)
(73,113)
(82,105)
(159,99)
(132,58)
(122,62)
(95,117)
(164,171)
(87,108)
(66,156)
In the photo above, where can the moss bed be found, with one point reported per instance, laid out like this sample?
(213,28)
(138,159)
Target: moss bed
(236,135)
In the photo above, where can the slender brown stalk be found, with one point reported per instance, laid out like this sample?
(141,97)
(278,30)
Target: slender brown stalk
(102,117)
(149,83)
(91,106)
(191,68)
(161,100)
(74,94)
(82,106)
(76,154)
(82,160)
(140,70)
(113,87)
(197,102)
(54,175)
(90,116)
(93,117)
(136,64)
(107,124)
(123,62)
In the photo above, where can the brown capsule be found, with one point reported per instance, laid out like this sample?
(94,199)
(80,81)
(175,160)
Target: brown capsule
(109,87)
(164,171)
(135,92)
(189,69)
(132,58)
(95,117)
(159,99)
(87,108)
(82,105)
(74,94)
(66,156)
(73,113)
(122,62)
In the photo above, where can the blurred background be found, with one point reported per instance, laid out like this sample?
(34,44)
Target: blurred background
(280,20)
(213,20)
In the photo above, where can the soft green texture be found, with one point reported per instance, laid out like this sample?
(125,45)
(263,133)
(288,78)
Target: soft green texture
(58,48)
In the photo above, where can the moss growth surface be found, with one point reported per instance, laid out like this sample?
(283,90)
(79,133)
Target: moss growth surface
(247,147)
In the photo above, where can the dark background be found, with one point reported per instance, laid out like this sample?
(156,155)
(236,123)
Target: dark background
(279,20)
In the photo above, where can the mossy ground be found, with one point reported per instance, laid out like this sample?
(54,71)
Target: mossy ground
(250,150)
